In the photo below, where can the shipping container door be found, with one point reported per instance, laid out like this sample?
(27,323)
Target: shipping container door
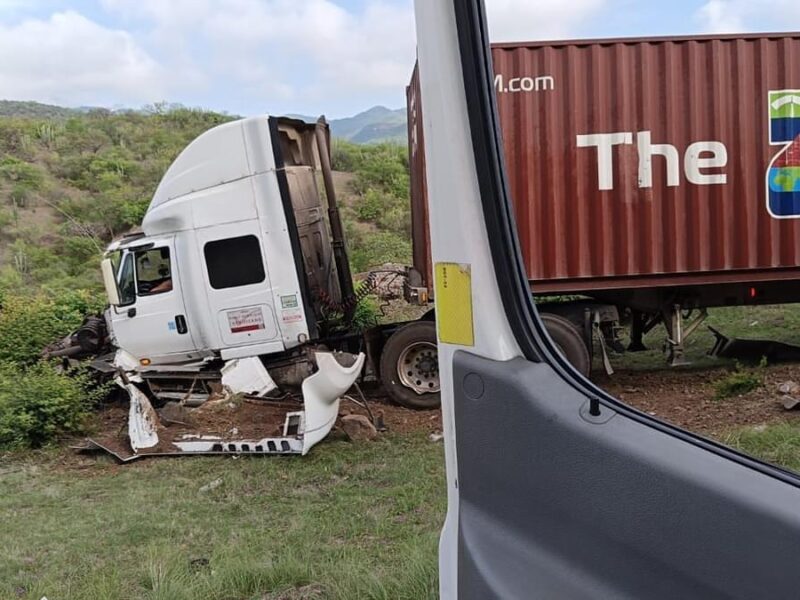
(555,489)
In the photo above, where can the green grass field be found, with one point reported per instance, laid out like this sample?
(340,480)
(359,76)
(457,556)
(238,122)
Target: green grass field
(349,521)
(776,322)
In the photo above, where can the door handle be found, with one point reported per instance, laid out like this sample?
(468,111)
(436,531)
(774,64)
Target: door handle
(180,324)
(131,312)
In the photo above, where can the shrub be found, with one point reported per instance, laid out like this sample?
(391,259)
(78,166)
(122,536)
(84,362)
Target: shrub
(6,218)
(28,324)
(39,404)
(20,195)
(374,249)
(370,206)
(741,381)
(22,173)
(396,217)
(344,155)
(367,314)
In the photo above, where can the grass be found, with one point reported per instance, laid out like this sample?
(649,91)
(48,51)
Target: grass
(774,322)
(778,444)
(349,521)
(739,382)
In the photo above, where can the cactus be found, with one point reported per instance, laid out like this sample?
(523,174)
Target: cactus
(48,134)
(21,262)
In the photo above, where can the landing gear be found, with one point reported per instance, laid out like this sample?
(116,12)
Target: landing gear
(678,331)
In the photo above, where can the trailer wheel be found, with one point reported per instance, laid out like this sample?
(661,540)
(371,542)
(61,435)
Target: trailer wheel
(569,342)
(410,366)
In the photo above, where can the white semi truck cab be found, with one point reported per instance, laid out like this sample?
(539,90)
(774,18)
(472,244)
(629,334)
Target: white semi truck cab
(235,257)
(239,278)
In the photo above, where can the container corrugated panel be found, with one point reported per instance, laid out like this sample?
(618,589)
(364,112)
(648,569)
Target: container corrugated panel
(420,232)
(653,162)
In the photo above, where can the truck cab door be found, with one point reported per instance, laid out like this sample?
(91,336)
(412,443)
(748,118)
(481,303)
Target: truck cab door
(150,321)
(555,488)
(238,287)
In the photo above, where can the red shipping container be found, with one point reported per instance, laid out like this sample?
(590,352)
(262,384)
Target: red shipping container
(642,163)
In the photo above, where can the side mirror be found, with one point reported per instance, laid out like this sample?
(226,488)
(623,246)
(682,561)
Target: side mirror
(110,282)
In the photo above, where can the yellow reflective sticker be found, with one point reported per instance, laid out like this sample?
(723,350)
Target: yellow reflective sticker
(454,304)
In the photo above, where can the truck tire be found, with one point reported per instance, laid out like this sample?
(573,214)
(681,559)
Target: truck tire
(410,366)
(569,342)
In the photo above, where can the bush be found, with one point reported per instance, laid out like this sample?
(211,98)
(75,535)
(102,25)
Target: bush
(374,249)
(22,173)
(27,325)
(370,206)
(39,404)
(741,381)
(344,156)
(6,218)
(20,195)
(367,314)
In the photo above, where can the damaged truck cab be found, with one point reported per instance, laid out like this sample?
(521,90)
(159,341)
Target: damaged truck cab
(235,269)
(216,271)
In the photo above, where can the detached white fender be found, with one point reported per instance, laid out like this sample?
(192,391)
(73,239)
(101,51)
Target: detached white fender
(321,394)
(142,418)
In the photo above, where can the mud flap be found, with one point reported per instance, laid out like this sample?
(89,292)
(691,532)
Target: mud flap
(321,393)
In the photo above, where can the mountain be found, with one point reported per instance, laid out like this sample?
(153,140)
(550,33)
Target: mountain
(378,124)
(37,110)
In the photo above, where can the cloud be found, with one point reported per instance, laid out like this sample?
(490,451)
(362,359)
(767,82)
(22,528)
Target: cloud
(69,59)
(733,16)
(518,20)
(288,42)
(319,51)
(244,56)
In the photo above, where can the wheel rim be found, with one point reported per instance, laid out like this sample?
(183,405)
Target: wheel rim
(418,368)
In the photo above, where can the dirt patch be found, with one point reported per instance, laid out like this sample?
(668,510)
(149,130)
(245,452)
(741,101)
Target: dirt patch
(687,398)
(343,184)
(396,418)
(250,419)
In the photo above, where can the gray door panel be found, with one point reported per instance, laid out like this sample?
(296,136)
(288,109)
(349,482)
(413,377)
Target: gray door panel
(556,503)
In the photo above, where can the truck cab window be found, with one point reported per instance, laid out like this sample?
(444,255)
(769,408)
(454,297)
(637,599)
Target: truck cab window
(153,272)
(234,262)
(127,282)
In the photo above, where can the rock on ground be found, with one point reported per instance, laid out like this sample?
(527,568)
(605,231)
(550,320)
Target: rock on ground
(358,427)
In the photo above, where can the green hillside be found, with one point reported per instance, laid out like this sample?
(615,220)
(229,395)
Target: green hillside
(37,110)
(69,185)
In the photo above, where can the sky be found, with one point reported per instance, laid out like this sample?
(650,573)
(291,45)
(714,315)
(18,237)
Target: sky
(336,57)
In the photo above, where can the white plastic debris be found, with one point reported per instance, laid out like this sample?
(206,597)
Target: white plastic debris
(321,393)
(142,418)
(247,376)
